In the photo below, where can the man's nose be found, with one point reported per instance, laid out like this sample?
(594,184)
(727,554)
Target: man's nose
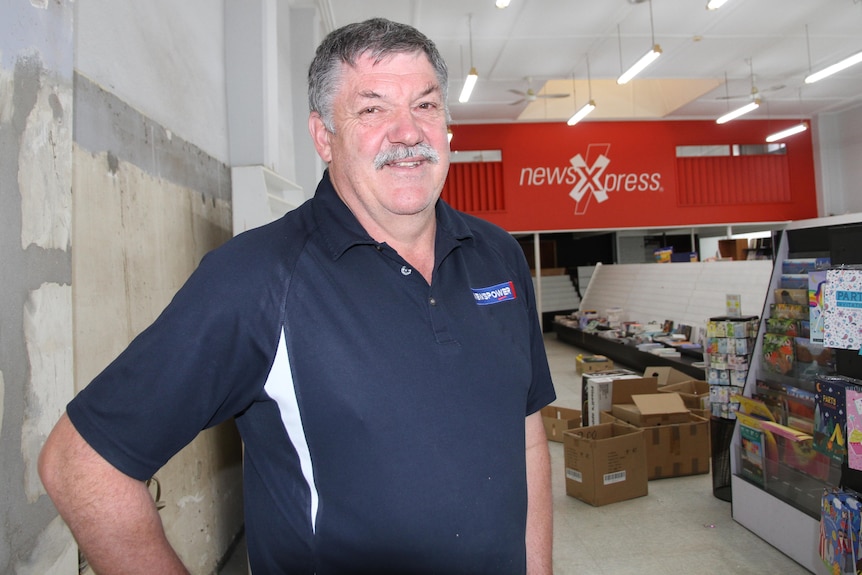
(405,129)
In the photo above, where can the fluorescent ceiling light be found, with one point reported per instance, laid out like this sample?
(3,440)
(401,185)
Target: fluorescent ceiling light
(502,3)
(786,133)
(753,105)
(837,67)
(639,66)
(715,4)
(582,113)
(469,83)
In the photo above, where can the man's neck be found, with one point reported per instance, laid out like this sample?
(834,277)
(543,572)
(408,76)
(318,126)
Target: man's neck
(413,238)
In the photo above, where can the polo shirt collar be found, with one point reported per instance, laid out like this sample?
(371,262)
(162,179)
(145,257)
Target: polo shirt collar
(341,230)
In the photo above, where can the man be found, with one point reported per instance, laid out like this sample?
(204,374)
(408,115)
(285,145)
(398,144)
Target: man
(373,305)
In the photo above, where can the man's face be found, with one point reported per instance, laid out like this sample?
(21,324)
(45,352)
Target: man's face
(385,108)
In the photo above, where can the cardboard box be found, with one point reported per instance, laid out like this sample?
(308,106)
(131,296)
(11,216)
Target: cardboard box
(736,249)
(593,363)
(650,409)
(694,393)
(605,463)
(600,391)
(666,375)
(678,449)
(674,449)
(559,419)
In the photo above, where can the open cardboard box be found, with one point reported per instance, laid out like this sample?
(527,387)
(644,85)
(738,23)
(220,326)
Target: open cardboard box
(605,463)
(559,419)
(599,393)
(694,393)
(678,449)
(651,409)
(666,375)
(673,449)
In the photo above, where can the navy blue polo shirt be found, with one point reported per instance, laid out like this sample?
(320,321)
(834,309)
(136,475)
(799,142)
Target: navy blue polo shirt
(383,418)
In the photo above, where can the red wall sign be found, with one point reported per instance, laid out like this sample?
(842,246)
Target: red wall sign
(606,175)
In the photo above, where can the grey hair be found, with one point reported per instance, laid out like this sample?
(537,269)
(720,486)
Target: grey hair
(379,38)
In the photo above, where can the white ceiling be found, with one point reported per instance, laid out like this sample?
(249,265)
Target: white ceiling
(553,40)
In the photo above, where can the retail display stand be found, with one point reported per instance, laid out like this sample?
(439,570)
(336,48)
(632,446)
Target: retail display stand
(786,519)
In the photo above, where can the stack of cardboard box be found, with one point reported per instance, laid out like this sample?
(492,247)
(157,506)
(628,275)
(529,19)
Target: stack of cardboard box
(627,416)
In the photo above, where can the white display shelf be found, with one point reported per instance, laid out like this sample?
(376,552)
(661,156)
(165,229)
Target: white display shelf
(793,532)
(789,530)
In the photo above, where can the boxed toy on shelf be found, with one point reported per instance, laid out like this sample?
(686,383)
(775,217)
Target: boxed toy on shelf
(840,522)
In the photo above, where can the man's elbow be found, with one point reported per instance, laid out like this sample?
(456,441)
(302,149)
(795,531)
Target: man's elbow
(51,463)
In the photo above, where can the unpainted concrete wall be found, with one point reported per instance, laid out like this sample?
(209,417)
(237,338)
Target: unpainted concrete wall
(103,214)
(147,208)
(36,373)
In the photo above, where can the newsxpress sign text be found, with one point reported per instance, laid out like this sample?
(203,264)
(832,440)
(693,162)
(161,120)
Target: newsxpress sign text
(590,177)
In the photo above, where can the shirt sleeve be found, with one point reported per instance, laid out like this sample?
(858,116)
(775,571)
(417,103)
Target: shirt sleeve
(203,360)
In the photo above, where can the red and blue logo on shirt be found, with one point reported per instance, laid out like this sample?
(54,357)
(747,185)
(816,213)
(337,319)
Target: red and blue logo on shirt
(494,294)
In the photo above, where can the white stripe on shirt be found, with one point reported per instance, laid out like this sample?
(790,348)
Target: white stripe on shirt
(280,387)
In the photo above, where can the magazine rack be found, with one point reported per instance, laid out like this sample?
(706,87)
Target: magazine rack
(783,507)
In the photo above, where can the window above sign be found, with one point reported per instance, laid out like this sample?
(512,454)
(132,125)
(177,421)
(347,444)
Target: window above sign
(731,150)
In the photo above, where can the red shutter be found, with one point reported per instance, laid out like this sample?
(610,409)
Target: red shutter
(733,180)
(475,187)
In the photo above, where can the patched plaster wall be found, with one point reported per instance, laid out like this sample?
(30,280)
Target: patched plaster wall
(104,212)
(36,371)
(147,208)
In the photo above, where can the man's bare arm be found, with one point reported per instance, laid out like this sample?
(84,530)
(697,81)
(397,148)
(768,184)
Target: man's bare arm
(540,520)
(112,516)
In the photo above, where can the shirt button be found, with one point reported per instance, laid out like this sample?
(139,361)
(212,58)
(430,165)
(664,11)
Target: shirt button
(432,301)
(405,271)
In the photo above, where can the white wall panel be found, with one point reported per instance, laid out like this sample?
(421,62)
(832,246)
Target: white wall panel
(688,293)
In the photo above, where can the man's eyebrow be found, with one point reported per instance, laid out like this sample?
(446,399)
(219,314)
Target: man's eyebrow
(430,90)
(371,94)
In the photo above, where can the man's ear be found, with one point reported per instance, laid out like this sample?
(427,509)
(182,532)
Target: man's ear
(320,136)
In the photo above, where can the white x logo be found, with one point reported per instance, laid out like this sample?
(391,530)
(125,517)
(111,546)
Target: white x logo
(590,177)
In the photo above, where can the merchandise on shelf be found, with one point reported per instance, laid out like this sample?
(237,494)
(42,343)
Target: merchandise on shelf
(830,413)
(840,521)
(728,348)
(842,310)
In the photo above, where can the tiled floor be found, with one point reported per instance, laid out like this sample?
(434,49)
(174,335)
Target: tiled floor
(680,527)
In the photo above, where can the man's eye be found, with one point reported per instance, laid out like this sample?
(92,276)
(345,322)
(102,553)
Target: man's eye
(427,106)
(368,110)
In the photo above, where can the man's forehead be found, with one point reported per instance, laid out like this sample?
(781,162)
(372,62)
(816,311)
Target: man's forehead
(413,63)
(371,72)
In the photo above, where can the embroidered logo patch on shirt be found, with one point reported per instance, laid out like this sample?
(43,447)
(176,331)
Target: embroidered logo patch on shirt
(494,294)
